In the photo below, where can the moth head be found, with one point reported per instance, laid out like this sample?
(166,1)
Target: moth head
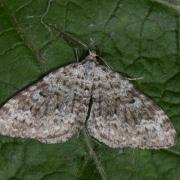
(92,56)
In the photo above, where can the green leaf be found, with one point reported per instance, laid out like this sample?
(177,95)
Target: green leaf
(140,38)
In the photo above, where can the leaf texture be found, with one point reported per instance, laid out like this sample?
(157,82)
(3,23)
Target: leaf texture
(140,38)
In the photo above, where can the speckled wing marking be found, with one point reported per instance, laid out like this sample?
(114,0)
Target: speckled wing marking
(91,95)
(52,110)
(122,117)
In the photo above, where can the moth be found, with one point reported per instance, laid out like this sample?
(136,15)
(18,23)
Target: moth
(87,95)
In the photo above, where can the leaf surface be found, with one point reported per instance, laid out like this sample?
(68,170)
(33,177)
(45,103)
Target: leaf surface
(140,38)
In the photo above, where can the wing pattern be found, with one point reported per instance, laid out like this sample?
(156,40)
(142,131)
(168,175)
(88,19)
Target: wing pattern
(123,117)
(52,110)
(58,106)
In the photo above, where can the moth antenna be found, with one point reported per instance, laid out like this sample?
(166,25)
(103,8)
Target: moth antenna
(76,54)
(65,34)
(102,59)
(135,79)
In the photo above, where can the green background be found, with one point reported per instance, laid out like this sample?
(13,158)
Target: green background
(140,38)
